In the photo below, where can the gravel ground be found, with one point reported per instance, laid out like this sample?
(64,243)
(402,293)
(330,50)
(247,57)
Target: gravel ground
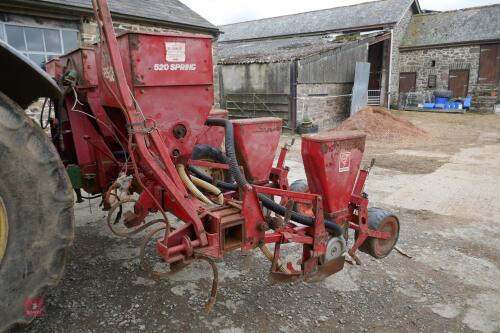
(443,191)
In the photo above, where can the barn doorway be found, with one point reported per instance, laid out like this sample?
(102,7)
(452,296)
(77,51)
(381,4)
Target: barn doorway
(407,82)
(458,82)
(378,57)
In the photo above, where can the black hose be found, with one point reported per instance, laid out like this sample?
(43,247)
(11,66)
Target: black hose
(267,202)
(241,181)
(42,125)
(80,197)
(92,197)
(299,218)
(210,153)
(208,179)
(234,168)
(58,110)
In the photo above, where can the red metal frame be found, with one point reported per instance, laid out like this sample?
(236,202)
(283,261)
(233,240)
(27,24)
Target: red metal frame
(113,111)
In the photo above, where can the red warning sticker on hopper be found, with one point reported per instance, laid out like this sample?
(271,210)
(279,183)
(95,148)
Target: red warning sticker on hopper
(345,162)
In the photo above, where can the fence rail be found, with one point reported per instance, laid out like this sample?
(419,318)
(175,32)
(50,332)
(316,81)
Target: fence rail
(250,105)
(374,97)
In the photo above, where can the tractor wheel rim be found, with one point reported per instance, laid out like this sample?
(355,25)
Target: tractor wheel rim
(4,229)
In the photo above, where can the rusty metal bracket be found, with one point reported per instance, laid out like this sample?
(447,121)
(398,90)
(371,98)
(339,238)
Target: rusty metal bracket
(325,270)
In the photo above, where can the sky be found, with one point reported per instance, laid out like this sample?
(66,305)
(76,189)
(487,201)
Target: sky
(221,12)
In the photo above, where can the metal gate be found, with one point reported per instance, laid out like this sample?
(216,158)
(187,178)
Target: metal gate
(250,105)
(374,97)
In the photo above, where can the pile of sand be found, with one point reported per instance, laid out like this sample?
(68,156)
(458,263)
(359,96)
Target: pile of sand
(380,123)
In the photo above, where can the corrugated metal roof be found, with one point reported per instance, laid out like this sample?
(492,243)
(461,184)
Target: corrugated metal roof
(172,11)
(283,49)
(454,27)
(369,14)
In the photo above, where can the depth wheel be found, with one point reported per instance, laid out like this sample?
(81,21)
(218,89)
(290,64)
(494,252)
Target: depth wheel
(302,187)
(207,153)
(385,221)
(36,214)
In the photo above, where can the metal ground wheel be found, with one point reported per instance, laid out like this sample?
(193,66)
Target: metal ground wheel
(301,186)
(382,247)
(215,174)
(384,221)
(207,153)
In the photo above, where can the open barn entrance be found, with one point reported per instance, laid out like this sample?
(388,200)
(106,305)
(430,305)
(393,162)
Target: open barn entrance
(378,57)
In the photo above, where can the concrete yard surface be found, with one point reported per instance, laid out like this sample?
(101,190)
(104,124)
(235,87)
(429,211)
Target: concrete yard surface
(444,190)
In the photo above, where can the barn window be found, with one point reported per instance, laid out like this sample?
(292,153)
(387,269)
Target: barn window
(15,37)
(431,81)
(70,40)
(39,44)
(433,63)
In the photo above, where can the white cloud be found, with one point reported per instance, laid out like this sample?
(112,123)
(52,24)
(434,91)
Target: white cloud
(229,11)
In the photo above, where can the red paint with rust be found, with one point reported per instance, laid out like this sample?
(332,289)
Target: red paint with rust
(83,61)
(332,161)
(168,80)
(256,141)
(214,136)
(53,68)
(171,93)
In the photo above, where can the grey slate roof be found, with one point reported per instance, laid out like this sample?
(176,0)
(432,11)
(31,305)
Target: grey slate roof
(272,50)
(370,14)
(281,49)
(454,27)
(172,11)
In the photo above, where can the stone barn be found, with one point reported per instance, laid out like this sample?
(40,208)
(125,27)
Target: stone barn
(302,66)
(454,50)
(298,78)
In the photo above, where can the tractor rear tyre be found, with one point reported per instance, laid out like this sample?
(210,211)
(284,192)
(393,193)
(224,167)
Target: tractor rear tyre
(381,220)
(36,214)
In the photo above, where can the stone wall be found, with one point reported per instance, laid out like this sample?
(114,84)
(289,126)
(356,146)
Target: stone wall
(325,104)
(484,96)
(89,35)
(439,62)
(398,36)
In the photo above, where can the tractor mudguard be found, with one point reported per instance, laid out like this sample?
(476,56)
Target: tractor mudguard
(23,81)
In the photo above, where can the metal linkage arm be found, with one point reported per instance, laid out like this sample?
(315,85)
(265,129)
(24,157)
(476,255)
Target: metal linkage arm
(164,171)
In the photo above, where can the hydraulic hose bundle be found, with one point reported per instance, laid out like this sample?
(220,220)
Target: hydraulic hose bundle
(241,180)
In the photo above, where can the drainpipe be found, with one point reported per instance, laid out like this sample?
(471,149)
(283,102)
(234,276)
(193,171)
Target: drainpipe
(390,71)
(293,95)
(222,95)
